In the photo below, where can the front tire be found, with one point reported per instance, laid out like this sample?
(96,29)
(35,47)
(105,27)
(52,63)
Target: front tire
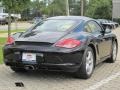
(113,57)
(87,67)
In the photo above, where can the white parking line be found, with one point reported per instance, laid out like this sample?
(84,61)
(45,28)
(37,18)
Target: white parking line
(104,81)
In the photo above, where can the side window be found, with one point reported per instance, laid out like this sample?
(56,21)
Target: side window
(95,28)
(87,28)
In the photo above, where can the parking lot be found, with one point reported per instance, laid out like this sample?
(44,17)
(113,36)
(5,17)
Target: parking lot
(105,77)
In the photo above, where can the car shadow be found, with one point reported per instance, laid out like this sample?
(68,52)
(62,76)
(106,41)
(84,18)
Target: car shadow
(51,74)
(44,74)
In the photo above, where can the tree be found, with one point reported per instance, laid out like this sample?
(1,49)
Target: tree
(74,7)
(14,6)
(36,6)
(20,5)
(99,9)
(56,7)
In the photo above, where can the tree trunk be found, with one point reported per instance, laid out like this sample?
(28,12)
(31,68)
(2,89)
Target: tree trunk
(9,23)
(16,25)
(67,8)
(82,7)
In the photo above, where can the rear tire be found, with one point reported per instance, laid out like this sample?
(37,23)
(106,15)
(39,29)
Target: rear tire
(16,69)
(87,67)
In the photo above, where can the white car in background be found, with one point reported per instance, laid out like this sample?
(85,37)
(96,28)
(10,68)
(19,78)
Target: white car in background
(3,20)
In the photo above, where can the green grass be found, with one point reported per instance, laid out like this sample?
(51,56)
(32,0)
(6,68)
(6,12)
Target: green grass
(1,55)
(2,42)
(5,31)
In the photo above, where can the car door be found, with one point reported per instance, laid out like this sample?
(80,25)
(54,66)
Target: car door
(104,42)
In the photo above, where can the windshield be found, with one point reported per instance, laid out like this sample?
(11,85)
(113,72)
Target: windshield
(55,25)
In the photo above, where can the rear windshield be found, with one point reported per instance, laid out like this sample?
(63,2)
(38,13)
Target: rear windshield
(55,25)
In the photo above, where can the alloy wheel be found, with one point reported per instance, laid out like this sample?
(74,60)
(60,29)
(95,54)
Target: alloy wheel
(89,62)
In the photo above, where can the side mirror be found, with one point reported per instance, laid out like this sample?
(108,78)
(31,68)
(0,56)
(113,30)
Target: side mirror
(16,35)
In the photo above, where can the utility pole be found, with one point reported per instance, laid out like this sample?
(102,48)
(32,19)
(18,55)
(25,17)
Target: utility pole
(67,8)
(82,7)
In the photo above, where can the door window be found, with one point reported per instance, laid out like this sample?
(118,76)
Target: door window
(92,27)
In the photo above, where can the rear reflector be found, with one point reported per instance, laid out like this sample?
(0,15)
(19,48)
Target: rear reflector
(10,40)
(68,43)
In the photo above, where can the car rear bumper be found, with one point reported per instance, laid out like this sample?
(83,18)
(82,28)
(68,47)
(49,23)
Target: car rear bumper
(69,62)
(67,67)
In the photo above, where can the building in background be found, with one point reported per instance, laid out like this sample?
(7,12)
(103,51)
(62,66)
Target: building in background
(2,9)
(116,9)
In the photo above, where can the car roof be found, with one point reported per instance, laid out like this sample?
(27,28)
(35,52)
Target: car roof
(71,18)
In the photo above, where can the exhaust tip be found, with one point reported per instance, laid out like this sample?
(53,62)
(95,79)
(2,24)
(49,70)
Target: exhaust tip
(29,67)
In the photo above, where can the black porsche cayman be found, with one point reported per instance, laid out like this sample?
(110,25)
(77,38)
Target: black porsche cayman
(66,43)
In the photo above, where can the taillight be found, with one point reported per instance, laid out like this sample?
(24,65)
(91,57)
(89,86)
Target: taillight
(10,40)
(68,43)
